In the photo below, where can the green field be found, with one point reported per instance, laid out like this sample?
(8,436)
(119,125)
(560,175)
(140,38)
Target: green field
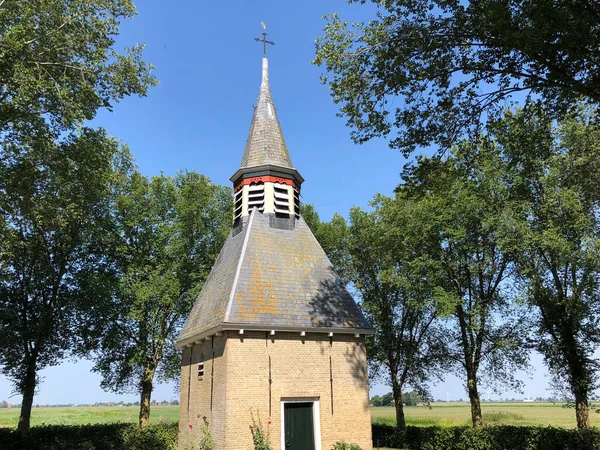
(444,414)
(451,414)
(85,415)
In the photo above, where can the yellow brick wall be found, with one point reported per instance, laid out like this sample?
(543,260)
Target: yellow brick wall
(199,392)
(300,368)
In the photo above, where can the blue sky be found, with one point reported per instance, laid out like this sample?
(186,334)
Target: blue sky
(209,67)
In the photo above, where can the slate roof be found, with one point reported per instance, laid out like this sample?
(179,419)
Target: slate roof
(271,277)
(210,306)
(265,144)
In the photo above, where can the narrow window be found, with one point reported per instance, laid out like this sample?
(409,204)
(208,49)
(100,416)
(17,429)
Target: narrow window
(201,367)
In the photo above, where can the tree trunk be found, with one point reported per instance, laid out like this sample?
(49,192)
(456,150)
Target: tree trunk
(145,397)
(580,375)
(471,366)
(582,411)
(400,420)
(475,401)
(28,393)
(397,392)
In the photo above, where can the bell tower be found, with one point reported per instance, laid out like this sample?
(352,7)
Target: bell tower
(274,332)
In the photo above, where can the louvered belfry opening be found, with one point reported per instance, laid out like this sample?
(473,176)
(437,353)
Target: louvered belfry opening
(256,196)
(237,204)
(297,202)
(282,200)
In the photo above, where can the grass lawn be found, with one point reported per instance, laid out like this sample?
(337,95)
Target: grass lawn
(444,414)
(451,414)
(90,414)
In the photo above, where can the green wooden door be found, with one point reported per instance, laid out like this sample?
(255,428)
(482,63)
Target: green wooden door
(299,426)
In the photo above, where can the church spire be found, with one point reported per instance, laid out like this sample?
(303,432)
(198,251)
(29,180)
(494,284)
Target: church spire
(265,143)
(266,179)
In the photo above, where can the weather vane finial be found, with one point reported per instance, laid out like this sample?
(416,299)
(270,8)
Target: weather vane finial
(264,40)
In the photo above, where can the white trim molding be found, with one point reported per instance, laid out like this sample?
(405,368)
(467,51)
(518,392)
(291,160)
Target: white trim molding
(239,266)
(247,327)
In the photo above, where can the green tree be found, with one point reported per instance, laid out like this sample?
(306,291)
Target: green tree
(376,401)
(372,255)
(554,168)
(54,225)
(387,399)
(332,237)
(450,62)
(58,65)
(57,68)
(171,230)
(463,212)
(408,347)
(412,398)
(311,217)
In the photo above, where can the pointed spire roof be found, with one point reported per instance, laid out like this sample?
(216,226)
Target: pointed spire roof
(265,144)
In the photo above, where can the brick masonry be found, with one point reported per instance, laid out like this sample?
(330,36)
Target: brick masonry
(237,381)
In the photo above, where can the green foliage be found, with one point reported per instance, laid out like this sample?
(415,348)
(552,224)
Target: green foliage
(529,189)
(450,63)
(411,421)
(486,438)
(460,226)
(58,65)
(260,436)
(311,217)
(412,398)
(496,417)
(58,68)
(164,436)
(54,226)
(332,237)
(170,231)
(387,399)
(115,436)
(206,440)
(554,171)
(397,300)
(343,445)
(371,254)
(376,400)
(500,234)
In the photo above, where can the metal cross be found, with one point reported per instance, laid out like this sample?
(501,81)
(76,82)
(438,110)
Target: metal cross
(265,42)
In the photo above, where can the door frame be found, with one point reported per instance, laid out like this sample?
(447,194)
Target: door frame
(316,418)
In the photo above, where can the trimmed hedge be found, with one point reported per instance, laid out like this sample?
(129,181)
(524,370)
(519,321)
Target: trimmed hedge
(112,436)
(124,436)
(503,437)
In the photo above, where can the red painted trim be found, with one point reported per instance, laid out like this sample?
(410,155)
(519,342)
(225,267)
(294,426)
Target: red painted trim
(265,179)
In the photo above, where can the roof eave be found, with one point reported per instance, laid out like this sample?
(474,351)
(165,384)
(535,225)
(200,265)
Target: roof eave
(259,170)
(219,329)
